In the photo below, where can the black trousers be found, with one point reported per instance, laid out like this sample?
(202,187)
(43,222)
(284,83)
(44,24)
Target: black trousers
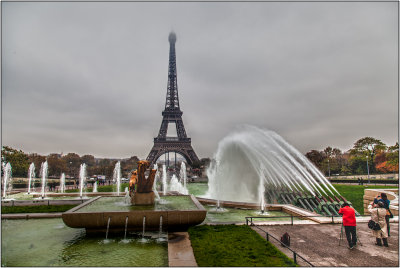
(351,235)
(387,217)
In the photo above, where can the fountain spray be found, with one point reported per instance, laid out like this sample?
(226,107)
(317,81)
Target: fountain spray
(217,184)
(31,174)
(262,191)
(117,175)
(262,197)
(62,183)
(183,175)
(164,179)
(82,178)
(94,187)
(248,151)
(6,177)
(43,173)
(175,185)
(156,178)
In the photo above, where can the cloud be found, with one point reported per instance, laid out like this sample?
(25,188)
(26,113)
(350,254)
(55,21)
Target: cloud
(91,78)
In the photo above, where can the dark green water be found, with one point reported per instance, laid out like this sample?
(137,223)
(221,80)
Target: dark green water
(48,242)
(197,189)
(238,215)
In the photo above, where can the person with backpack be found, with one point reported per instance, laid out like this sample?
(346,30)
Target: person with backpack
(378,213)
(386,203)
(349,223)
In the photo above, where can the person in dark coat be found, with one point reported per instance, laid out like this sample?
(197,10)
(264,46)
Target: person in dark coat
(349,223)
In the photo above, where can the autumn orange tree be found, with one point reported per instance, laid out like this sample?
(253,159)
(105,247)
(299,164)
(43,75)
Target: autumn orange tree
(381,158)
(388,161)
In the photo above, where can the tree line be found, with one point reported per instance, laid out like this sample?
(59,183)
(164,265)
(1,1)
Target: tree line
(331,161)
(367,155)
(68,164)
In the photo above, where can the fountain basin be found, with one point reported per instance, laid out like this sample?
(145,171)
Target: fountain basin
(176,216)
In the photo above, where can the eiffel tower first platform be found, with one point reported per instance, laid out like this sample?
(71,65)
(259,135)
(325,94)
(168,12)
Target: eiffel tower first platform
(172,114)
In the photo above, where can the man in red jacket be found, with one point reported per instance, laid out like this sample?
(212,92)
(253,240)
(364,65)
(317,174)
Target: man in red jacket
(349,223)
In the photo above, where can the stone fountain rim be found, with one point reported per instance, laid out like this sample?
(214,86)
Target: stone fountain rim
(199,206)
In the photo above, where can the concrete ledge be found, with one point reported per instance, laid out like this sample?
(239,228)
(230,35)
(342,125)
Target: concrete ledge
(180,251)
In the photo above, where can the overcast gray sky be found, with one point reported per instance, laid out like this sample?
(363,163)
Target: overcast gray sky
(91,78)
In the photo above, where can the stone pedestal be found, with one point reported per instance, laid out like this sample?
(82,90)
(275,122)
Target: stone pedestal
(142,198)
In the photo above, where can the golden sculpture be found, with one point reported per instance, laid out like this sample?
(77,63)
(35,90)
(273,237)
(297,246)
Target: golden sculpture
(140,187)
(132,182)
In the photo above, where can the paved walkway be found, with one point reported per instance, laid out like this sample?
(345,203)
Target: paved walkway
(319,244)
(180,251)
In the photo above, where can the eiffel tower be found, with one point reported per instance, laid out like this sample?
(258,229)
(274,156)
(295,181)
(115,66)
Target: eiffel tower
(172,114)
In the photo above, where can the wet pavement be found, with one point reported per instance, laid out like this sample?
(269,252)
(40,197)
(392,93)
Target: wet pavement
(319,244)
(180,251)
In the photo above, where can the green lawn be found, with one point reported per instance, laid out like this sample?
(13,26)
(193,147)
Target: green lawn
(232,245)
(36,209)
(355,193)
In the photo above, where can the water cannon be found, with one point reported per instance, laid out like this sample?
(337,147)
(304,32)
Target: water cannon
(303,202)
(323,206)
(332,205)
(311,201)
(328,206)
(335,203)
(306,201)
(282,195)
(291,198)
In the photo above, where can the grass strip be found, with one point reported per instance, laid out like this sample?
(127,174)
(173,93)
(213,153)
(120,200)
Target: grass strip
(36,209)
(355,193)
(232,245)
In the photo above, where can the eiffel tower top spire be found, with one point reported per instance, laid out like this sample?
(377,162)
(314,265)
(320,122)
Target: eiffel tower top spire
(172,101)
